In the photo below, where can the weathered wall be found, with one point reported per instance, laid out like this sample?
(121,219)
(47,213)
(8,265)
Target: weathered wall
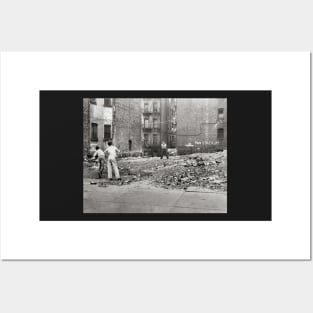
(171,123)
(151,110)
(127,124)
(198,124)
(164,103)
(86,136)
(101,116)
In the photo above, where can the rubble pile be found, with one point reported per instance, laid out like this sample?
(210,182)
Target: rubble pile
(206,171)
(203,170)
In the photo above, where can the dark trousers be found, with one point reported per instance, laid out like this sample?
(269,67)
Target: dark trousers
(164,152)
(101,167)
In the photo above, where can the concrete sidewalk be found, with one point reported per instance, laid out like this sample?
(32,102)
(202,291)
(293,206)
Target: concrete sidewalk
(141,197)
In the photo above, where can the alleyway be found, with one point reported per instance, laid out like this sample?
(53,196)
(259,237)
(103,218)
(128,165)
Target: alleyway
(181,184)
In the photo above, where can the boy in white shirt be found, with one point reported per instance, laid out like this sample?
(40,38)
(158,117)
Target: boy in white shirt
(112,153)
(100,155)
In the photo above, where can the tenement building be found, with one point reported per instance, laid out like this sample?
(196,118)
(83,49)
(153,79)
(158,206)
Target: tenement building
(151,125)
(98,117)
(201,124)
(139,125)
(127,124)
(116,119)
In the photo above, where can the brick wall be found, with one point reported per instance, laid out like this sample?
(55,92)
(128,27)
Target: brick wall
(198,124)
(127,124)
(100,115)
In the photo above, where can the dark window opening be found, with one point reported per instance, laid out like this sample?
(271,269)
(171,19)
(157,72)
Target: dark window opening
(172,141)
(107,132)
(94,132)
(155,139)
(93,101)
(220,113)
(146,139)
(107,103)
(129,145)
(155,107)
(220,134)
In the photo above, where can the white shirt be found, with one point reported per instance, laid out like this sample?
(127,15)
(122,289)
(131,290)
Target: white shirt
(99,153)
(111,150)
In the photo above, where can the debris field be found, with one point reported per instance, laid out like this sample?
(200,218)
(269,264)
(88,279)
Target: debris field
(201,170)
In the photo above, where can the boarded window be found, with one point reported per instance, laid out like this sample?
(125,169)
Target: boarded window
(220,134)
(107,132)
(94,132)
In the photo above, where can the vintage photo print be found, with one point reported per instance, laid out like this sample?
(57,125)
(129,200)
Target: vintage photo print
(190,140)
(155,155)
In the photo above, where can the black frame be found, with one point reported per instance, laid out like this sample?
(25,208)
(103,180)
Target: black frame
(249,195)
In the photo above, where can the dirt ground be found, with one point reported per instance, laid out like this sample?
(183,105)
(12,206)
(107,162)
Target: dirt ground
(188,172)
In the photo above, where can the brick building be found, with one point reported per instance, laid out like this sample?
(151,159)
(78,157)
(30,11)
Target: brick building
(98,116)
(201,124)
(140,124)
(172,123)
(151,125)
(127,124)
(116,119)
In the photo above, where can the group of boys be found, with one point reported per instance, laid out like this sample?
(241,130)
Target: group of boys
(111,151)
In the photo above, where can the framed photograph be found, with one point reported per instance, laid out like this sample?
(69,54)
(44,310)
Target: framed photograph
(156,155)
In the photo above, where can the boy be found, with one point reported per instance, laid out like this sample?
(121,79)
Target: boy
(100,155)
(112,153)
(164,150)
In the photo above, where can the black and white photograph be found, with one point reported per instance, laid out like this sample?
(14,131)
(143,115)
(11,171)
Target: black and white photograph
(155,155)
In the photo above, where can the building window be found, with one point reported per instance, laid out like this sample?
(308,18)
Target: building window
(129,145)
(220,113)
(146,124)
(155,139)
(146,139)
(93,101)
(146,107)
(107,132)
(220,134)
(155,107)
(155,123)
(94,132)
(173,141)
(107,103)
